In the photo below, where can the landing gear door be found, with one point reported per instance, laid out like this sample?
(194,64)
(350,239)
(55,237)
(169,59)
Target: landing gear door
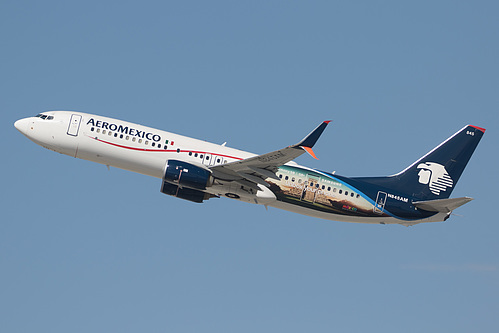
(379,205)
(74,125)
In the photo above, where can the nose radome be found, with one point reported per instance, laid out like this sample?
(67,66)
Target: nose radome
(22,125)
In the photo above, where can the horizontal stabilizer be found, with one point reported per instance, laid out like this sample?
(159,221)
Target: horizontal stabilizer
(442,205)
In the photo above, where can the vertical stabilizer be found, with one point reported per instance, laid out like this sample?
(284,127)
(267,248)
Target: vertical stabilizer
(435,175)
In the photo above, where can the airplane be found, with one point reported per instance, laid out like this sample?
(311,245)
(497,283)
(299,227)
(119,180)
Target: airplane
(197,170)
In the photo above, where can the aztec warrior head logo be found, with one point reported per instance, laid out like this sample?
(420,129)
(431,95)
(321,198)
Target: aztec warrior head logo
(436,176)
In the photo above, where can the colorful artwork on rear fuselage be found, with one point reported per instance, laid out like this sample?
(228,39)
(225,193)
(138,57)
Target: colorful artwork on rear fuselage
(319,191)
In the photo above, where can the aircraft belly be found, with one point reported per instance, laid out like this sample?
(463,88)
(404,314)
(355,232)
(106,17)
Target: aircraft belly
(344,218)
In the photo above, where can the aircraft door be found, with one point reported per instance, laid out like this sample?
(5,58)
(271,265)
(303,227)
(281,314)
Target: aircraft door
(207,159)
(74,125)
(217,160)
(379,205)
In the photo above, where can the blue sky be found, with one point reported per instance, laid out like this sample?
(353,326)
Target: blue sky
(86,249)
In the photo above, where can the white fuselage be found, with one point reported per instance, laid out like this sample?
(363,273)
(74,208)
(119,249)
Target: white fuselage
(146,150)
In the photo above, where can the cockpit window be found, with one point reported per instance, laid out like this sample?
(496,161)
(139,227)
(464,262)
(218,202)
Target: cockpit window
(44,116)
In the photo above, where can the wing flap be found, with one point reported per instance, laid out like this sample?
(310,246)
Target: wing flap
(252,178)
(264,172)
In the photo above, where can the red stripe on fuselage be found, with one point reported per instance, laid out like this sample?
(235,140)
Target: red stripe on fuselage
(162,150)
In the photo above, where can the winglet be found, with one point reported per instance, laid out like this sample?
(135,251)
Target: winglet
(310,151)
(310,140)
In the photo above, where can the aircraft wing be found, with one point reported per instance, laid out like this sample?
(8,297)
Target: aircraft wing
(442,205)
(254,170)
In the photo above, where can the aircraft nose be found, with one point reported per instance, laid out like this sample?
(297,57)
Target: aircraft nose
(22,125)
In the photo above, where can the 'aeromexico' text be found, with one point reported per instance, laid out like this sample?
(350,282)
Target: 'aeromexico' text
(124,130)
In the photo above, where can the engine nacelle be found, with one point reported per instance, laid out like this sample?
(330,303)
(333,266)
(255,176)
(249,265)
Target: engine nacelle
(185,193)
(187,175)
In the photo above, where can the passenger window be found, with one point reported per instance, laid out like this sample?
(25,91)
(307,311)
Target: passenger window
(323,186)
(121,136)
(110,133)
(190,153)
(340,191)
(317,185)
(140,140)
(153,144)
(358,195)
(293,179)
(352,194)
(329,188)
(127,137)
(115,135)
(133,139)
(92,129)
(178,150)
(103,131)
(346,192)
(286,178)
(98,130)
(147,142)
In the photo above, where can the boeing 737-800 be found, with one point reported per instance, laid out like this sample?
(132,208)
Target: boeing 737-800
(196,170)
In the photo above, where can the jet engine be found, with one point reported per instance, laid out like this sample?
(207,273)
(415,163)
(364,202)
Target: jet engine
(186,181)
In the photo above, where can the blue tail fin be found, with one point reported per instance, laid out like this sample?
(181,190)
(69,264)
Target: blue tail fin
(435,175)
